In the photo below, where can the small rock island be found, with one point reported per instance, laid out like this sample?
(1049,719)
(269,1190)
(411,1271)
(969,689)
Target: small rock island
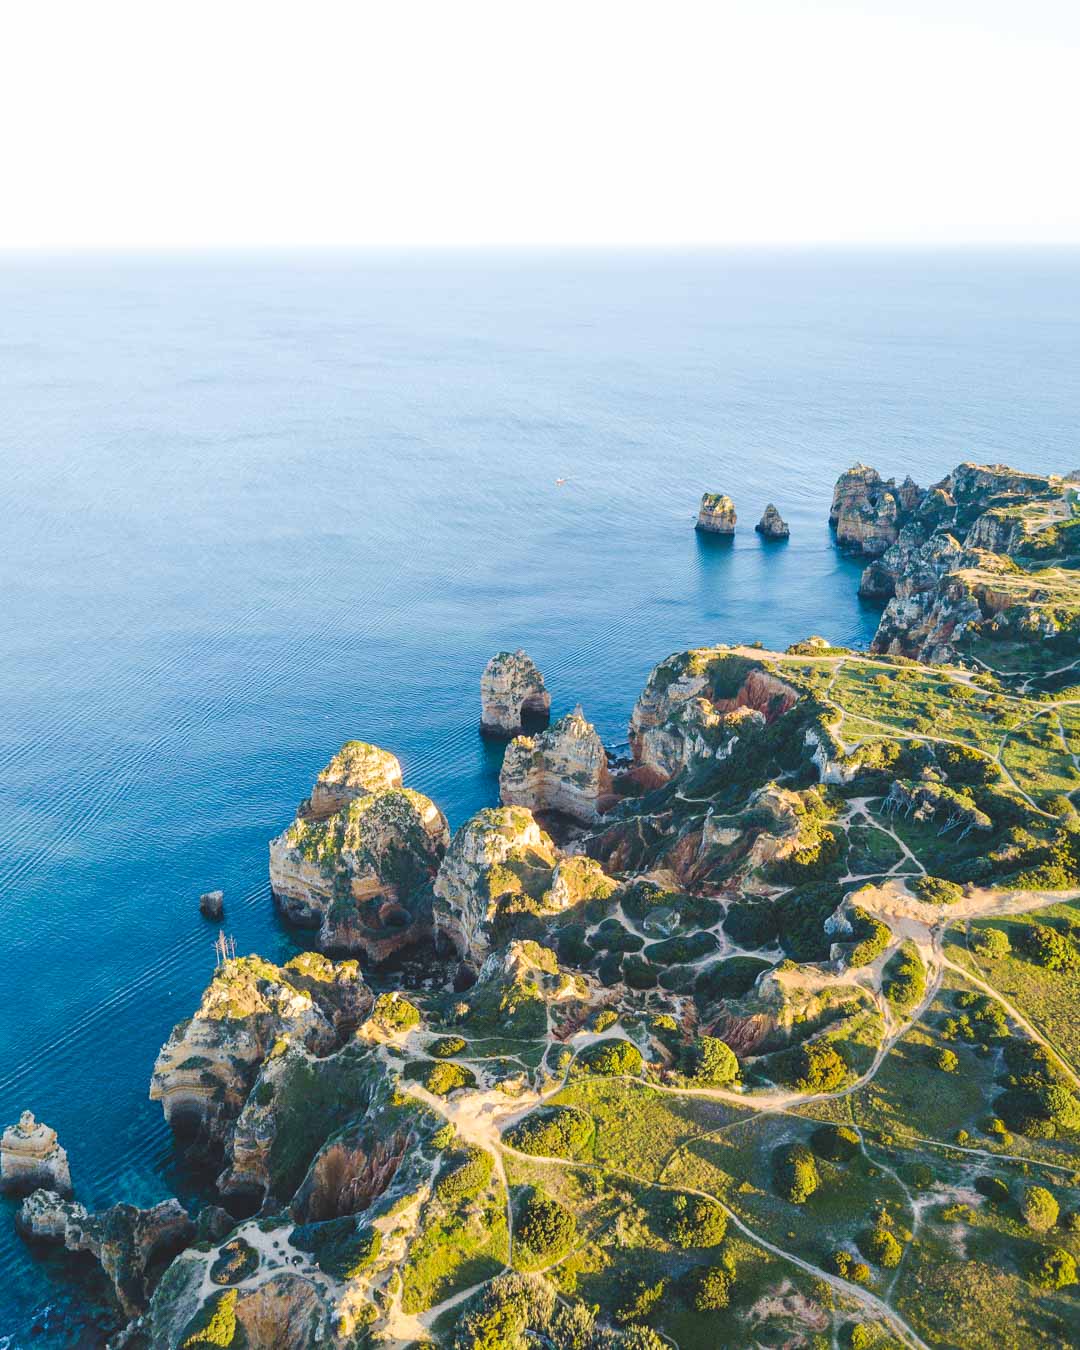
(717,514)
(511,690)
(772,525)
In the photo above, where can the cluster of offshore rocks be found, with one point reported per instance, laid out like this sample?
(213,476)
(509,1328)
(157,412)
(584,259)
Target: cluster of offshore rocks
(132,1245)
(987,555)
(717,516)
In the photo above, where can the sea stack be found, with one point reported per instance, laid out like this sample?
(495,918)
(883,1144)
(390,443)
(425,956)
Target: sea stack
(511,687)
(212,904)
(717,514)
(31,1158)
(772,525)
(564,770)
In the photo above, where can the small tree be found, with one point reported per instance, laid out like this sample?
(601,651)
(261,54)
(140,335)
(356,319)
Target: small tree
(946,1060)
(797,1175)
(1039,1208)
(713,1061)
(713,1291)
(992,943)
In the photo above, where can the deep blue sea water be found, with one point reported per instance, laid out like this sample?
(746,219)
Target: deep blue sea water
(251,507)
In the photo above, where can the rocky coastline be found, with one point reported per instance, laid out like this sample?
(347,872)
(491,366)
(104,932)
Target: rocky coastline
(710,923)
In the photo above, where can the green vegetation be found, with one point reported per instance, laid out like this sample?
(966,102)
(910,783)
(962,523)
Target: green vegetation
(610,1057)
(712,1061)
(393,1013)
(552,1132)
(237,1260)
(797,1176)
(544,1228)
(341,1247)
(1039,1208)
(904,978)
(694,1221)
(214,1324)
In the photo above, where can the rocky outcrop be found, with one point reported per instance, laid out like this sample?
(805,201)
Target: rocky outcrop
(684,717)
(31,1158)
(501,851)
(868,511)
(716,514)
(511,692)
(360,874)
(212,905)
(133,1245)
(355,771)
(772,525)
(206,1069)
(951,574)
(563,770)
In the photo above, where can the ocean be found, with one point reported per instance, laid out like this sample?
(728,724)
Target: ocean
(254,506)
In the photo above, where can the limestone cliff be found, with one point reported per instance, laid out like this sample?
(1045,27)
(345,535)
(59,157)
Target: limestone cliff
(357,769)
(500,851)
(868,511)
(31,1157)
(562,770)
(511,690)
(716,514)
(357,862)
(695,707)
(206,1069)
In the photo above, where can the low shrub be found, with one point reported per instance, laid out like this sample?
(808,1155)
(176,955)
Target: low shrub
(552,1132)
(611,1058)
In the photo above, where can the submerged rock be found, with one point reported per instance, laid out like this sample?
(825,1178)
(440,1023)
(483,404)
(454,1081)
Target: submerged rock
(716,514)
(511,689)
(772,525)
(31,1157)
(563,770)
(358,861)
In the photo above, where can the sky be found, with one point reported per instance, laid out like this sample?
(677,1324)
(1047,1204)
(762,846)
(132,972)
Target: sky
(147,125)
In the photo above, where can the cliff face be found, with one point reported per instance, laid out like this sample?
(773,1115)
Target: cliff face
(954,572)
(867,511)
(511,688)
(498,852)
(686,714)
(209,1064)
(563,770)
(716,514)
(31,1157)
(360,872)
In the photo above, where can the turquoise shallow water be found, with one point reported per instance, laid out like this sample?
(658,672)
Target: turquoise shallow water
(253,507)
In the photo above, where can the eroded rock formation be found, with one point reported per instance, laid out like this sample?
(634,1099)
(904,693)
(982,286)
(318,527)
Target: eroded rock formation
(772,525)
(31,1157)
(209,1064)
(562,770)
(511,690)
(358,861)
(868,511)
(716,514)
(500,851)
(133,1245)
